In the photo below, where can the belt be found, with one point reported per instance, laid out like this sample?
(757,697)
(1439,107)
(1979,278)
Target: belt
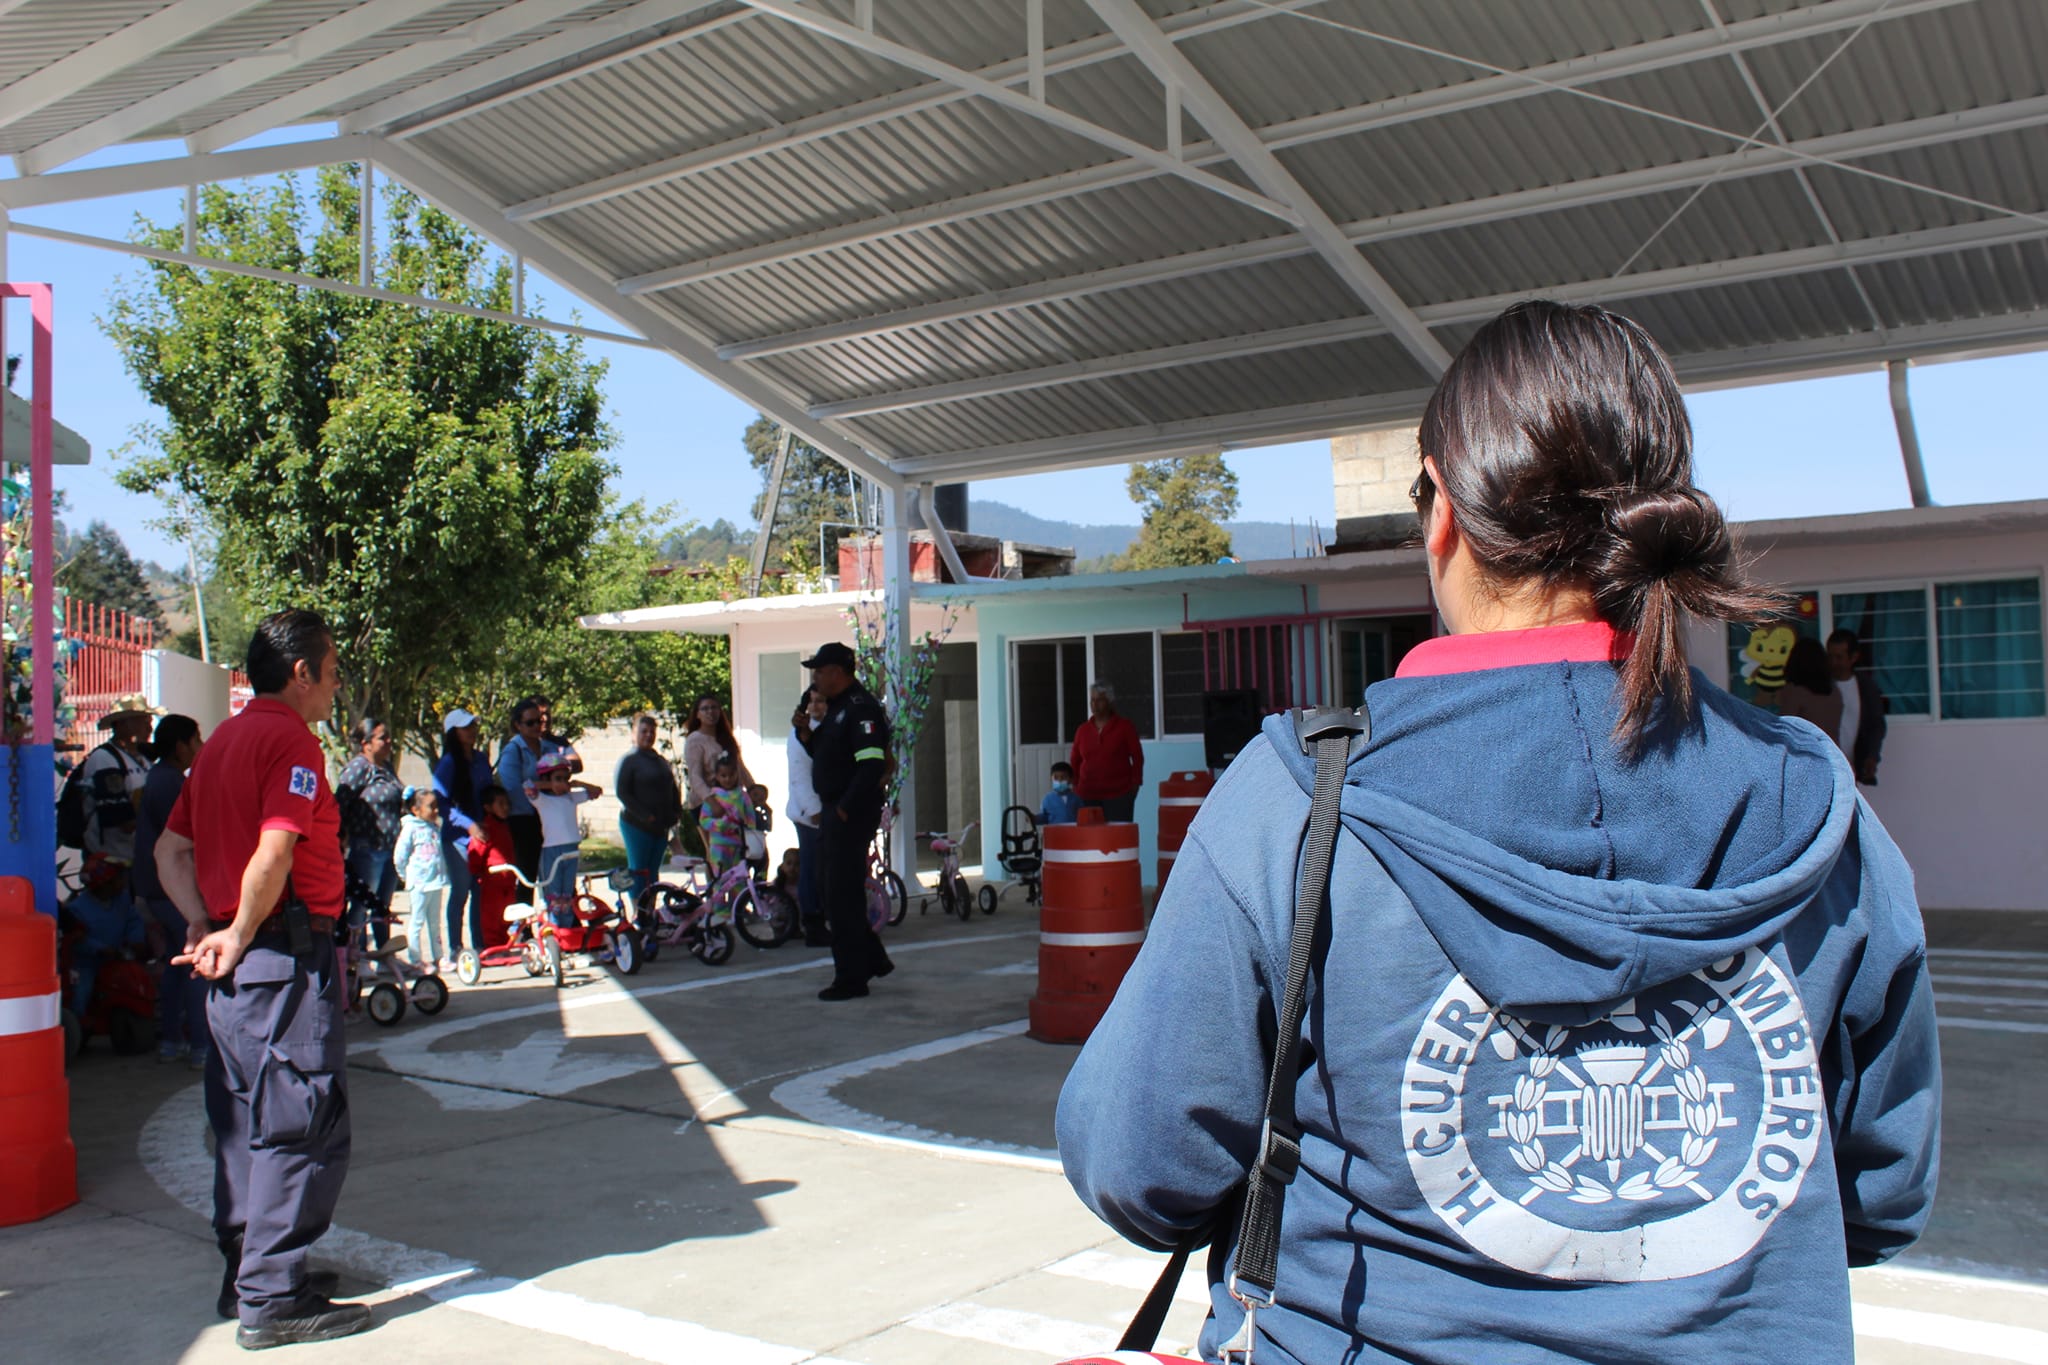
(322,924)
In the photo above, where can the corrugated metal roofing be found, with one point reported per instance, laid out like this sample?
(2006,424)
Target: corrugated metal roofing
(983,288)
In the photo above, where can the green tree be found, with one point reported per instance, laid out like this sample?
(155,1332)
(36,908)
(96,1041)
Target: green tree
(100,570)
(1185,504)
(815,489)
(429,481)
(706,546)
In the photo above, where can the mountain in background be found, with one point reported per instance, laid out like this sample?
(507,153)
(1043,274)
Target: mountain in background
(1248,539)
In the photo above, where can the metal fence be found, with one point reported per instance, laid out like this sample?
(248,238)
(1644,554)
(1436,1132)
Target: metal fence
(106,666)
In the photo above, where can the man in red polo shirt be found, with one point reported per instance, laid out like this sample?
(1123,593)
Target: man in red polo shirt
(252,859)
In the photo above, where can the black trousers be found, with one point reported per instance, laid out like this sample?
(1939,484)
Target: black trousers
(857,953)
(525,843)
(277,1099)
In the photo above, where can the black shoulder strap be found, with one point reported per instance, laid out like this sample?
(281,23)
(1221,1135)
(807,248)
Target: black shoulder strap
(1333,734)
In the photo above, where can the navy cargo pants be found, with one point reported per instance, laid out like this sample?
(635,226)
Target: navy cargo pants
(857,952)
(277,1098)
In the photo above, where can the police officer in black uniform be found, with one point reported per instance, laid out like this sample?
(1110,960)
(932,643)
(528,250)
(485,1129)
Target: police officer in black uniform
(849,768)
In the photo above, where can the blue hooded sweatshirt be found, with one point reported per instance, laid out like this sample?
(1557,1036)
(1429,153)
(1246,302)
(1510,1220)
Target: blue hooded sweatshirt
(1604,1060)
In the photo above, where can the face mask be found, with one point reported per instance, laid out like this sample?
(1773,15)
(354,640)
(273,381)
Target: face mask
(1062,786)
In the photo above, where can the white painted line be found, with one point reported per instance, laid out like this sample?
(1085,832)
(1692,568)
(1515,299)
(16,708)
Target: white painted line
(1992,1025)
(28,1014)
(1020,1331)
(1012,969)
(1110,940)
(1942,997)
(810,1097)
(1129,1272)
(1944,1331)
(2020,954)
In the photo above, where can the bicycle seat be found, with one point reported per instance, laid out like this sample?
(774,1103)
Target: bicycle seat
(943,845)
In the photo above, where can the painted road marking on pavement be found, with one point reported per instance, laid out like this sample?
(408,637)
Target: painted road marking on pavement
(1945,1331)
(2025,978)
(1012,969)
(1021,1331)
(810,1097)
(1131,1272)
(2018,954)
(1993,1025)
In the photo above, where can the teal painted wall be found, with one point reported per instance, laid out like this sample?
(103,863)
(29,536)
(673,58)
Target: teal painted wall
(1090,608)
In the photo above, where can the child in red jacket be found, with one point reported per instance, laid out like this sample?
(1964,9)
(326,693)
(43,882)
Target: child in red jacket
(490,845)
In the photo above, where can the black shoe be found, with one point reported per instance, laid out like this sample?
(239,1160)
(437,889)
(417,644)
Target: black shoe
(835,991)
(319,1283)
(816,938)
(315,1319)
(886,968)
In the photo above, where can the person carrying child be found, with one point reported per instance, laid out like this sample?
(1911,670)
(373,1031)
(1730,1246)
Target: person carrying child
(423,866)
(109,924)
(490,845)
(727,817)
(555,800)
(1061,806)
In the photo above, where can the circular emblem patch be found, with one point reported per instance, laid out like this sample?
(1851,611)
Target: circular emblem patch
(1656,1143)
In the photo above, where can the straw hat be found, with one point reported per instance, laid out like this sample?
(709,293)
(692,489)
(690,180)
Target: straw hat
(134,704)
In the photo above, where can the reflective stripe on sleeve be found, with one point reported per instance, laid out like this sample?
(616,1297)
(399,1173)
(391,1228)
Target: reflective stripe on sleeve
(863,755)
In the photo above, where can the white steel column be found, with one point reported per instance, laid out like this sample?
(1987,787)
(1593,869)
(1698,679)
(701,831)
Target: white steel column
(1909,436)
(896,646)
(3,247)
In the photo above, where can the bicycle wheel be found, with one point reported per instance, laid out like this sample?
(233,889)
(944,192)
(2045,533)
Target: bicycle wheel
(963,901)
(899,896)
(713,944)
(764,916)
(553,952)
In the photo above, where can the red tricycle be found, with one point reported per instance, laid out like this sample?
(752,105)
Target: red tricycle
(537,943)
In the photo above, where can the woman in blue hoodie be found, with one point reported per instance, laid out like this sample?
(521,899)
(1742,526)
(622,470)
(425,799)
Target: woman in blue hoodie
(1620,1043)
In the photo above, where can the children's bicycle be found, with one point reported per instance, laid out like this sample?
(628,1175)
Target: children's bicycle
(954,897)
(888,898)
(761,912)
(681,913)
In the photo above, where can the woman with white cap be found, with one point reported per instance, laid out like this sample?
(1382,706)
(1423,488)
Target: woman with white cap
(460,777)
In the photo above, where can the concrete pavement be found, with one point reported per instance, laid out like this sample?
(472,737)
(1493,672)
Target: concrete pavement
(708,1165)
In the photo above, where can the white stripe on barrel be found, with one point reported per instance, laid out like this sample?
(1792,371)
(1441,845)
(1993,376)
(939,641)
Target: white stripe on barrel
(28,1014)
(1108,940)
(1182,800)
(1091,855)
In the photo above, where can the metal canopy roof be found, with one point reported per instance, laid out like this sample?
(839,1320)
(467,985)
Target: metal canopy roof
(952,239)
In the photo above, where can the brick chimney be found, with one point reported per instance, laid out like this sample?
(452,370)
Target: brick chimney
(1373,471)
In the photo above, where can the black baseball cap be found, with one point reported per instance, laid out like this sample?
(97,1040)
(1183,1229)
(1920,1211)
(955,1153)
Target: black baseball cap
(834,653)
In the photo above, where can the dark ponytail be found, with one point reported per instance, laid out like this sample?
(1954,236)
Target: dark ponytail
(1563,444)
(171,731)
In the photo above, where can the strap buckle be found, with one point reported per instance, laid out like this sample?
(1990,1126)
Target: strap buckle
(1279,1154)
(1327,722)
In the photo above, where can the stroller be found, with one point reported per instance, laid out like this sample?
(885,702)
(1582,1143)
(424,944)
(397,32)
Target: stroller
(381,979)
(1019,856)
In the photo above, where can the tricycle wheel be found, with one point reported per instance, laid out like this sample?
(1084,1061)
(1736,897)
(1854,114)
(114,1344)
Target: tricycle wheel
(129,1032)
(625,946)
(430,995)
(386,1004)
(534,960)
(553,949)
(469,968)
(988,899)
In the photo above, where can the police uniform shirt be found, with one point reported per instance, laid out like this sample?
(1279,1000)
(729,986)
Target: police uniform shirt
(261,770)
(854,732)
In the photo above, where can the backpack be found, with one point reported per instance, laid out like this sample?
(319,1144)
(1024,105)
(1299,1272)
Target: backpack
(73,811)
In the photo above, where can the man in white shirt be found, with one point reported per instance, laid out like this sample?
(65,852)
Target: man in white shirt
(1863,707)
(113,775)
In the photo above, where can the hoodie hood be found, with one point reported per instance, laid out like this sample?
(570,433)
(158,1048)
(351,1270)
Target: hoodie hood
(1561,878)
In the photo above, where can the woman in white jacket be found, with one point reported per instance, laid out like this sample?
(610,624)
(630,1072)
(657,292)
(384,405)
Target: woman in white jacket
(803,810)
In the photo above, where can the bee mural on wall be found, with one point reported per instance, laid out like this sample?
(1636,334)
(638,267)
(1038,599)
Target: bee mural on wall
(1763,658)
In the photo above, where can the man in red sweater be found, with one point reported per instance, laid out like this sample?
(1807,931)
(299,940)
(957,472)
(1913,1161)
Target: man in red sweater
(1109,764)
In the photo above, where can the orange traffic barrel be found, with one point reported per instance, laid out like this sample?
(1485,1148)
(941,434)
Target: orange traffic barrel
(38,1165)
(1180,796)
(1091,921)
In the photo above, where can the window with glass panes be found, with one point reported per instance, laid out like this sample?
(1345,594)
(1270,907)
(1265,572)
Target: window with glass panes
(1891,633)
(1990,647)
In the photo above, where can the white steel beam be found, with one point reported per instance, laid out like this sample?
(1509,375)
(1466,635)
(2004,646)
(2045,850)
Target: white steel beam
(438,184)
(118,51)
(1750,161)
(173,173)
(450,96)
(1605,289)
(1479,93)
(1019,101)
(344,30)
(1857,351)
(418,55)
(1228,128)
(1074,56)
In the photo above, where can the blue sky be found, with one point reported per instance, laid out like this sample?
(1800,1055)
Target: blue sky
(1792,449)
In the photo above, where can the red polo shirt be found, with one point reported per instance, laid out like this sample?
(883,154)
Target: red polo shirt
(261,770)
(1585,642)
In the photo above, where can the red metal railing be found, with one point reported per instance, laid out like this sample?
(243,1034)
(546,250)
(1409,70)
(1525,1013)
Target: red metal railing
(240,694)
(107,664)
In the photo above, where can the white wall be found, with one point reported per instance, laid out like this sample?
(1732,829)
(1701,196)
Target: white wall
(186,686)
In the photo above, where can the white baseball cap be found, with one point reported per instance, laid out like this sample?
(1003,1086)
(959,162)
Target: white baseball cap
(456,719)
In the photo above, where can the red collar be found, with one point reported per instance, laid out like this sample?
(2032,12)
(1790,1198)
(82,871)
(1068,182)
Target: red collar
(1583,642)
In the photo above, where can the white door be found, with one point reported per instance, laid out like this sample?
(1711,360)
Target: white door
(1048,700)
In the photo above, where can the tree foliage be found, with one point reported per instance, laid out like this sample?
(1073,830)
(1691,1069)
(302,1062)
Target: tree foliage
(1185,503)
(434,484)
(98,569)
(815,489)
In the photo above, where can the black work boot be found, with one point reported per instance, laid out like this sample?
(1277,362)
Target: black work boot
(313,1318)
(322,1283)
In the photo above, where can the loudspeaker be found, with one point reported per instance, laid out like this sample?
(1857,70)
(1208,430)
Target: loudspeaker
(1230,720)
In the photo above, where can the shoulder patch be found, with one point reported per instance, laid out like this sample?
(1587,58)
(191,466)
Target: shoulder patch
(867,727)
(305,782)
